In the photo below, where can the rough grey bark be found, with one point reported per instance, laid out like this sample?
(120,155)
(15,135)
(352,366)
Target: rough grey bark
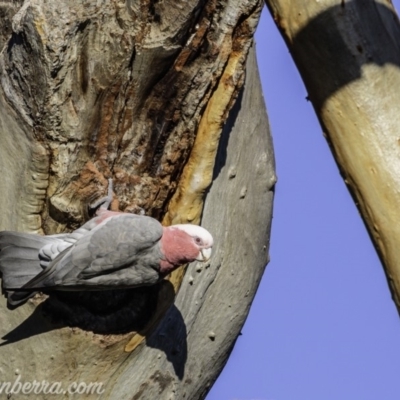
(143,94)
(348,53)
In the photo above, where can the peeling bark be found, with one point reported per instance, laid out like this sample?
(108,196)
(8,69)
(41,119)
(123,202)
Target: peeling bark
(110,90)
(150,94)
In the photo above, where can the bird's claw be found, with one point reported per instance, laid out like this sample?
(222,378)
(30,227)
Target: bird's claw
(104,202)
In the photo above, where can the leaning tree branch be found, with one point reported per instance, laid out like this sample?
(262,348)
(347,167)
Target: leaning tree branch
(348,54)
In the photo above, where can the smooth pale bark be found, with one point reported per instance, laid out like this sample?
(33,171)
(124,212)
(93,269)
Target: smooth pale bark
(153,97)
(348,53)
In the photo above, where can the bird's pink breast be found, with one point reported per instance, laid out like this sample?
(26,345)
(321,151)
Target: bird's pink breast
(178,249)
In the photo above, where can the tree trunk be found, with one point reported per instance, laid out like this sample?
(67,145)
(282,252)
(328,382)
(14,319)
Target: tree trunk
(348,53)
(150,94)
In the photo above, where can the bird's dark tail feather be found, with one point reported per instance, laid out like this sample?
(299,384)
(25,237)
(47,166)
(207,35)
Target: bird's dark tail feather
(17,298)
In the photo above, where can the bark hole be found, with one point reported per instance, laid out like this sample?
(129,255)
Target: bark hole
(106,312)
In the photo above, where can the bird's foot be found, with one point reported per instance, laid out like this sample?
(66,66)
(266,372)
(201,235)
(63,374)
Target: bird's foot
(104,202)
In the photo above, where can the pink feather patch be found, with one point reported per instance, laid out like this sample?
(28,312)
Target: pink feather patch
(178,248)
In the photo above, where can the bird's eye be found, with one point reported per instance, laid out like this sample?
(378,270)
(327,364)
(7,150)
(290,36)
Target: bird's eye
(197,240)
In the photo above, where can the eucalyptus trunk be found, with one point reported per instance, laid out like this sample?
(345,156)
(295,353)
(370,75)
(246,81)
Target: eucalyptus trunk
(165,99)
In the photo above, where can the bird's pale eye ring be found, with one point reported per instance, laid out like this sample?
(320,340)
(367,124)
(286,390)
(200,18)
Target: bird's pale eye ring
(197,240)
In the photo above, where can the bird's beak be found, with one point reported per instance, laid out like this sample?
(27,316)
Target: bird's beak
(204,254)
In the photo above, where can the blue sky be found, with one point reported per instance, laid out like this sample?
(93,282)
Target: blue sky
(323,325)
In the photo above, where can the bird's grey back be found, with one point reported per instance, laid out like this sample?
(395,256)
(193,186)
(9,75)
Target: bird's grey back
(122,251)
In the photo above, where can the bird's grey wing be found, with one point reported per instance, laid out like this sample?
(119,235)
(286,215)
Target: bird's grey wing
(121,241)
(47,276)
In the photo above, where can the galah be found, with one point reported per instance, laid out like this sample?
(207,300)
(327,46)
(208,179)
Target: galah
(114,250)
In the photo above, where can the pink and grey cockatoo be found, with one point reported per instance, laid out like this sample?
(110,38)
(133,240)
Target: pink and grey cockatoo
(114,250)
